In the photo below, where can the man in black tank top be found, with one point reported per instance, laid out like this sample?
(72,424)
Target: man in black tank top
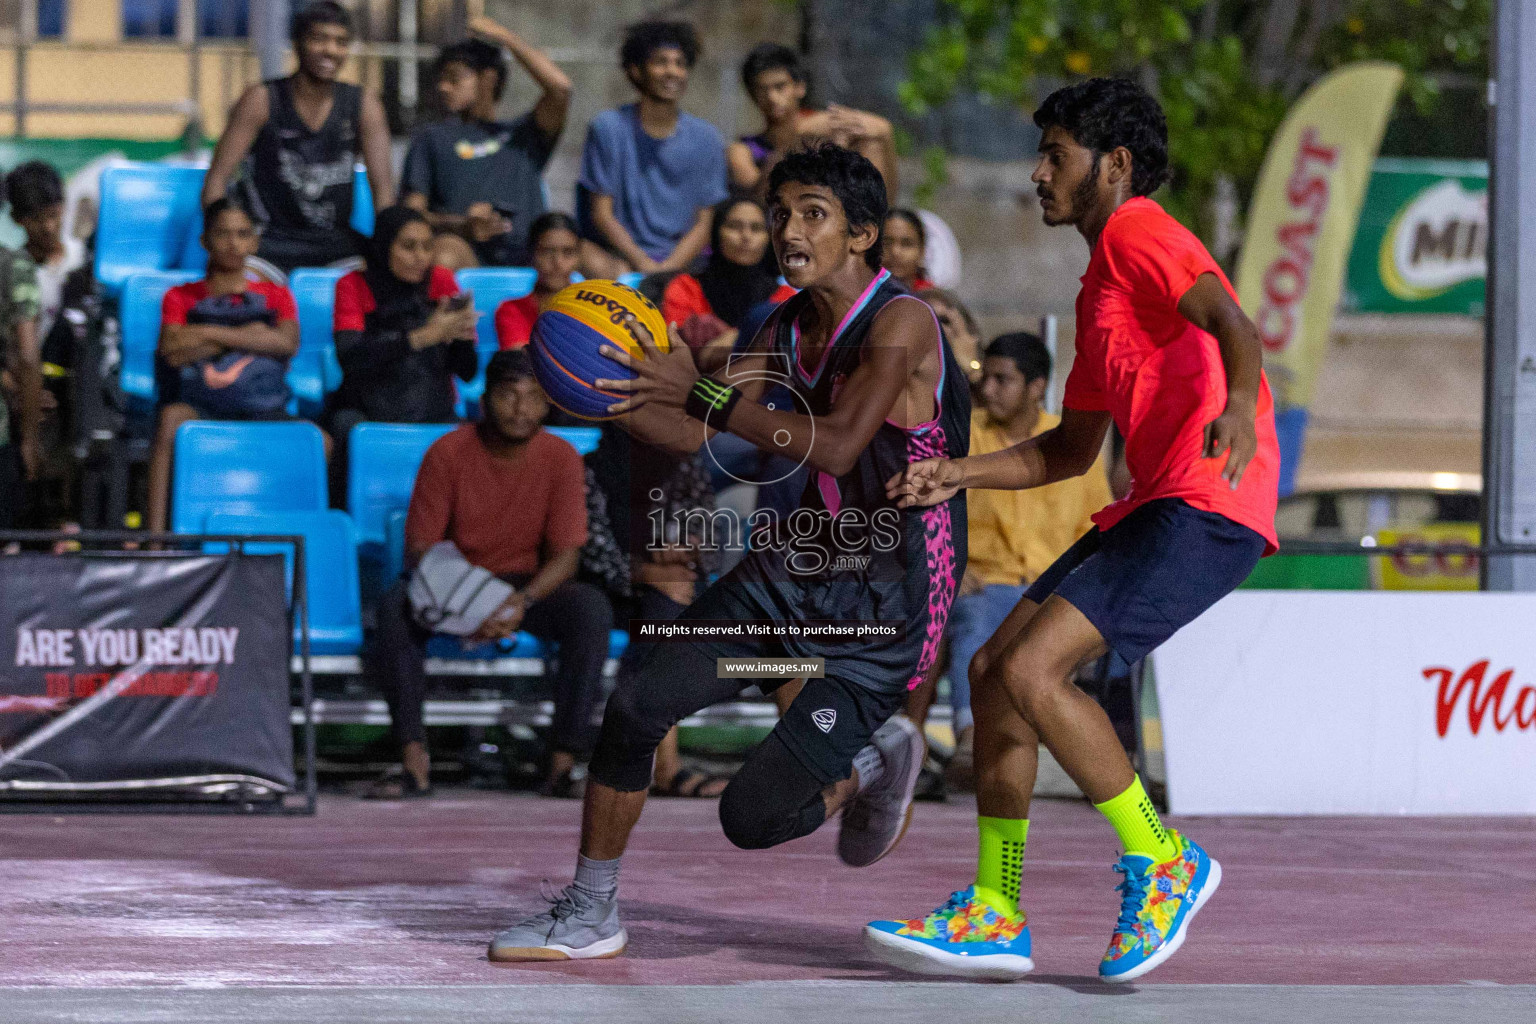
(303,136)
(875,388)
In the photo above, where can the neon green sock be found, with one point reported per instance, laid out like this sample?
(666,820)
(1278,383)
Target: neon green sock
(1137,824)
(1001,861)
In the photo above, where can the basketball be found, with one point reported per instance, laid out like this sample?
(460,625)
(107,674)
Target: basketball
(568,335)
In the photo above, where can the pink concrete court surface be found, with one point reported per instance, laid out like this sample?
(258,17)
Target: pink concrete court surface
(380,912)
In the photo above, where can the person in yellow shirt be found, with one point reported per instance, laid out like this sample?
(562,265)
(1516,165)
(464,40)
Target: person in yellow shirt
(1013,536)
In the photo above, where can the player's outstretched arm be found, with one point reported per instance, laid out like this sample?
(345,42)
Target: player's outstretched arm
(1066,450)
(1209,307)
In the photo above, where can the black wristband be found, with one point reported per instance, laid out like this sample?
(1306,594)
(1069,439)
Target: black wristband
(709,399)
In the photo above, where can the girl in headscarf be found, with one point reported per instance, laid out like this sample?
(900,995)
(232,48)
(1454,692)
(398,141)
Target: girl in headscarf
(403,331)
(742,273)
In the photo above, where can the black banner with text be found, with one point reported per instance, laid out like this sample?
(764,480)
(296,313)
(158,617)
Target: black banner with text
(144,666)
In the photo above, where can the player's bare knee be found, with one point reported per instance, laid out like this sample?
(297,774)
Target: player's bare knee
(1029,682)
(976,672)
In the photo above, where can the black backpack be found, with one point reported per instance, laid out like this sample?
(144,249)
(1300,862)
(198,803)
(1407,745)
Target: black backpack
(235,384)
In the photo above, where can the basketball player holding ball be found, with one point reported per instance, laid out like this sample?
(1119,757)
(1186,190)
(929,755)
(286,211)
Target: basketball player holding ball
(875,390)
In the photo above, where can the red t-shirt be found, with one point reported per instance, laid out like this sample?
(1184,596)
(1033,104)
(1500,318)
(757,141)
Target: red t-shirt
(1160,376)
(503,515)
(354,299)
(514,321)
(684,297)
(179,300)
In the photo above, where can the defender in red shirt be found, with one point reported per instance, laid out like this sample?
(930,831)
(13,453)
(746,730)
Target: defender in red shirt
(1164,351)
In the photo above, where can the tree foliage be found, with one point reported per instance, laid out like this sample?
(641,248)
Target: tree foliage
(1224,70)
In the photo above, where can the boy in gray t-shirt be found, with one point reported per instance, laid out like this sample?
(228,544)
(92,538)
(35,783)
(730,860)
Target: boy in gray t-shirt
(649,172)
(479,180)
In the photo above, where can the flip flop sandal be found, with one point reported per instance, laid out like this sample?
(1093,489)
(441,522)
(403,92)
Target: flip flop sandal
(690,783)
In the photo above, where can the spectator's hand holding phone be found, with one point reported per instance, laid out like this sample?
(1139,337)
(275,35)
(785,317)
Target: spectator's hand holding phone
(454,319)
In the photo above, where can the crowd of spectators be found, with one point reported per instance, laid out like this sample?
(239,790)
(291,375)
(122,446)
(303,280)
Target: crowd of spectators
(659,192)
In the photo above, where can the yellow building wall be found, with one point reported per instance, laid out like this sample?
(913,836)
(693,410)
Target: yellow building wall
(109,71)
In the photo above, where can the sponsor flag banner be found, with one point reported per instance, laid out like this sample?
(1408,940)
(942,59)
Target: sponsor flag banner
(121,668)
(1301,226)
(1328,702)
(1422,243)
(1302,223)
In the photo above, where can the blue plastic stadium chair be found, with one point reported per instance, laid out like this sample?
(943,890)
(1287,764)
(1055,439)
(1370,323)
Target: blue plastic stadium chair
(314,293)
(243,468)
(583,439)
(330,570)
(139,314)
(145,209)
(306,379)
(518,645)
(633,279)
(491,287)
(382,459)
(191,255)
(394,547)
(362,202)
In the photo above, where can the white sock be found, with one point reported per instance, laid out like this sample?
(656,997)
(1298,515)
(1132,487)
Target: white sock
(597,879)
(870,766)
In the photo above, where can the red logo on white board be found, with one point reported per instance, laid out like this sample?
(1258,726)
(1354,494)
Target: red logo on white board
(1495,703)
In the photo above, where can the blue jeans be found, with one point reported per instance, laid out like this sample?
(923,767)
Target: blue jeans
(972,621)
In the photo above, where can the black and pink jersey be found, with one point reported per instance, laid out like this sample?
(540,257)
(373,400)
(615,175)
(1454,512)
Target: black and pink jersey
(848,553)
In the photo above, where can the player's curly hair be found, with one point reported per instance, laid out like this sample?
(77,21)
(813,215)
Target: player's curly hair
(849,176)
(645,38)
(1106,113)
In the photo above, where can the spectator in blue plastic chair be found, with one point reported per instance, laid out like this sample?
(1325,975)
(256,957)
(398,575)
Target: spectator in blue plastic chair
(225,342)
(480,180)
(650,173)
(555,250)
(403,332)
(304,135)
(511,497)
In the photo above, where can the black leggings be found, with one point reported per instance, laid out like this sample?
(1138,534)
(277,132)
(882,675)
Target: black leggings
(774,798)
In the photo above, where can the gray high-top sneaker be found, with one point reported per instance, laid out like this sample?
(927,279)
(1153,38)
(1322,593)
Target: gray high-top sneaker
(876,819)
(573,927)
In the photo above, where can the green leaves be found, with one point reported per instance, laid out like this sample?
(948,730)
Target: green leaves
(1220,118)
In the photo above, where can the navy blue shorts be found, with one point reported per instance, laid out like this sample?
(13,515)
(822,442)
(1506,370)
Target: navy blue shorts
(1153,572)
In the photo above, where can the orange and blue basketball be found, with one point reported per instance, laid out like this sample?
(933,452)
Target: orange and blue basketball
(579,321)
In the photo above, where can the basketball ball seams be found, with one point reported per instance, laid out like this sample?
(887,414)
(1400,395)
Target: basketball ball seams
(569,335)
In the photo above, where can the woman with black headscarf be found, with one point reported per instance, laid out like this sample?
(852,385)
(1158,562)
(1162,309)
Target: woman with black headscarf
(742,273)
(402,330)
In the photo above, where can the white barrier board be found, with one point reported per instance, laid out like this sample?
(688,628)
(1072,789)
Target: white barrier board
(1317,702)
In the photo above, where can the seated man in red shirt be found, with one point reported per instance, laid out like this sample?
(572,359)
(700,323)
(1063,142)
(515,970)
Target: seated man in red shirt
(512,499)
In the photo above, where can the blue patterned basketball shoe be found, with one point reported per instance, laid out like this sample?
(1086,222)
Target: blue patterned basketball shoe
(1157,903)
(966,937)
